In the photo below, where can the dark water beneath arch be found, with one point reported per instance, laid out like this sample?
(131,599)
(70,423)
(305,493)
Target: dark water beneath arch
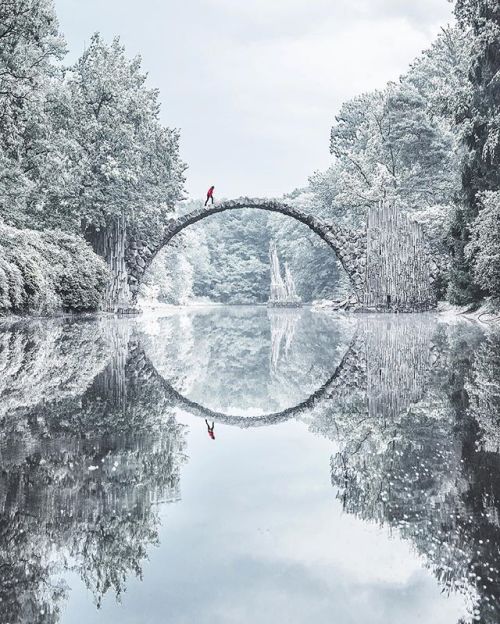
(352,473)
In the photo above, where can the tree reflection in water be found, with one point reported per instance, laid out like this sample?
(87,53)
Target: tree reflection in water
(82,471)
(430,466)
(89,444)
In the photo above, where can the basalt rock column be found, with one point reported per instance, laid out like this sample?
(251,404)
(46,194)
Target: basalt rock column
(398,266)
(110,242)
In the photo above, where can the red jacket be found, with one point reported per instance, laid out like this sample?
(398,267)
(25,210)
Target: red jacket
(210,191)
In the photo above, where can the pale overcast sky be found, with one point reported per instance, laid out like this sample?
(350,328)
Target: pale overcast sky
(254,85)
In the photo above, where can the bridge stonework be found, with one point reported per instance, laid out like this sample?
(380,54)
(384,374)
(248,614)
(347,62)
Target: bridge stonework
(387,261)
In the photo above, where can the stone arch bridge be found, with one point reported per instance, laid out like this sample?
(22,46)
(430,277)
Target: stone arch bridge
(346,376)
(387,261)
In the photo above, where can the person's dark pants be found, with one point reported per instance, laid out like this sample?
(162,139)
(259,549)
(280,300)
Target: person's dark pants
(208,198)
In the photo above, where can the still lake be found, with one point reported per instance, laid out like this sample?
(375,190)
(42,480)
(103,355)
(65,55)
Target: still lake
(245,465)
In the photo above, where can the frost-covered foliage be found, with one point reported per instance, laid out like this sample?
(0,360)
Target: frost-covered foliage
(480,129)
(224,258)
(80,148)
(425,141)
(30,150)
(43,272)
(388,145)
(128,163)
(483,250)
(402,143)
(83,146)
(398,142)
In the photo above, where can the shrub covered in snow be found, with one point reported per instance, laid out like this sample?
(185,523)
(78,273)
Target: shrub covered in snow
(43,272)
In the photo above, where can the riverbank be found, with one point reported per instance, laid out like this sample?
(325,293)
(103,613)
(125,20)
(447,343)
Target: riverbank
(487,312)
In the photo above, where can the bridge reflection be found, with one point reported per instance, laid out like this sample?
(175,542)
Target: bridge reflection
(382,366)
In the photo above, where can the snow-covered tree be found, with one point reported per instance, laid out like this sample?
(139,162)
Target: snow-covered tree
(128,163)
(480,127)
(483,249)
(402,143)
(81,149)
(389,146)
(440,75)
(30,48)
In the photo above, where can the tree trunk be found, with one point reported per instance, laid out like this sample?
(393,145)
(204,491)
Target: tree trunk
(110,243)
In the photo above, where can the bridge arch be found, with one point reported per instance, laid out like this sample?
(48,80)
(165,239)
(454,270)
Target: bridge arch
(346,374)
(349,247)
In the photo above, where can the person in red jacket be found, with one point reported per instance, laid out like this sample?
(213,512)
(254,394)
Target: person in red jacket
(210,195)
(210,430)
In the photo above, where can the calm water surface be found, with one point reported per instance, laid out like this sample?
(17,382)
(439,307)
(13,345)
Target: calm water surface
(249,466)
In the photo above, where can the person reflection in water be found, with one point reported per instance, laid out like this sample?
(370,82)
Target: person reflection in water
(210,429)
